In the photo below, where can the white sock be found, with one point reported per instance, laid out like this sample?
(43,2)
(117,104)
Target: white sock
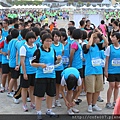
(39,112)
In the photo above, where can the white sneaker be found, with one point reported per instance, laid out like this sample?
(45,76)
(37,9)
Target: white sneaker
(16,101)
(60,96)
(75,110)
(57,103)
(50,113)
(83,93)
(10,94)
(90,109)
(53,105)
(25,108)
(70,112)
(28,99)
(96,108)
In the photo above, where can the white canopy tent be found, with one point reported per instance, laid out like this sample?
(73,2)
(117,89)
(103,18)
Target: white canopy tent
(84,7)
(98,7)
(111,7)
(30,7)
(91,7)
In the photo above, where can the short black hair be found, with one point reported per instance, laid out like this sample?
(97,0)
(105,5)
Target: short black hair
(115,22)
(82,22)
(84,35)
(9,38)
(24,32)
(46,36)
(7,21)
(16,26)
(42,33)
(33,25)
(62,30)
(117,34)
(87,21)
(102,22)
(112,20)
(56,32)
(38,23)
(73,23)
(71,82)
(77,34)
(89,34)
(48,30)
(30,35)
(36,31)
(55,29)
(64,35)
(70,29)
(14,33)
(9,31)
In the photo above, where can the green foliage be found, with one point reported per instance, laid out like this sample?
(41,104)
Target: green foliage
(24,2)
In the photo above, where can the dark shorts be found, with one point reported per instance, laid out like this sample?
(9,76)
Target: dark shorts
(113,78)
(27,83)
(45,85)
(14,73)
(5,68)
(81,72)
(58,77)
(0,64)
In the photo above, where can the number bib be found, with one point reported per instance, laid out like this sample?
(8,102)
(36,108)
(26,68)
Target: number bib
(96,62)
(65,60)
(116,62)
(48,69)
(102,63)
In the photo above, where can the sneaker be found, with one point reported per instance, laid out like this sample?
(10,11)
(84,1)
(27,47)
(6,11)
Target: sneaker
(90,109)
(113,105)
(53,105)
(16,101)
(28,99)
(10,94)
(57,103)
(39,117)
(75,110)
(43,99)
(108,105)
(100,99)
(32,106)
(25,108)
(50,113)
(96,108)
(70,112)
(83,93)
(2,90)
(60,96)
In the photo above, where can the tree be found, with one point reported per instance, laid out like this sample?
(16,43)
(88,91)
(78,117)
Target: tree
(88,4)
(80,3)
(70,2)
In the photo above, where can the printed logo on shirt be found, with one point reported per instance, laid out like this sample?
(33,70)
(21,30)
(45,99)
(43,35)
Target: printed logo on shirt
(116,62)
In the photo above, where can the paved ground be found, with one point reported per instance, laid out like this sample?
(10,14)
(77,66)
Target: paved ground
(8,107)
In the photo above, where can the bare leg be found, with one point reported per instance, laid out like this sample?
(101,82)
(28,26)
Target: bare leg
(110,90)
(24,95)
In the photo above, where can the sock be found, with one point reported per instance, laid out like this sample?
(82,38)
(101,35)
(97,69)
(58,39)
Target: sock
(39,112)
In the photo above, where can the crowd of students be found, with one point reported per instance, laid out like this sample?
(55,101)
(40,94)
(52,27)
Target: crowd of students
(53,62)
